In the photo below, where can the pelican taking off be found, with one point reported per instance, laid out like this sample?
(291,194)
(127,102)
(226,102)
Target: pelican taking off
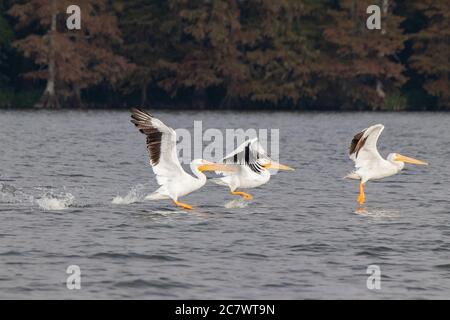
(368,162)
(161,144)
(252,163)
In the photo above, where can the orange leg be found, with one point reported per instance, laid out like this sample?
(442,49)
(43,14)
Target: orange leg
(183,205)
(362,197)
(244,195)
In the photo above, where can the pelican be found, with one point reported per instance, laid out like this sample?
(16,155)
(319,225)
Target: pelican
(161,145)
(368,162)
(252,163)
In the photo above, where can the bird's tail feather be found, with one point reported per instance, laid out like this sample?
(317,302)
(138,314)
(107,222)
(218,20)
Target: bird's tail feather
(156,196)
(352,175)
(219,181)
(159,194)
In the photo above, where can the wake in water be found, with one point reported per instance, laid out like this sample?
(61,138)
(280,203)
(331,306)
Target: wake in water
(10,194)
(48,201)
(136,194)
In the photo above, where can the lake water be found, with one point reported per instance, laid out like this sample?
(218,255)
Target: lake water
(72,187)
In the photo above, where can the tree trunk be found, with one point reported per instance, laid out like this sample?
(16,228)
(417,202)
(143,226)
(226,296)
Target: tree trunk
(49,98)
(381,93)
(200,98)
(78,101)
(144,94)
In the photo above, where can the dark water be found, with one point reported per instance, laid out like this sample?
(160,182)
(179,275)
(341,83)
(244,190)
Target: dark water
(301,236)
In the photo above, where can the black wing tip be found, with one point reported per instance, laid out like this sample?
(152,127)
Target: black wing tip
(357,143)
(354,143)
(135,121)
(136,111)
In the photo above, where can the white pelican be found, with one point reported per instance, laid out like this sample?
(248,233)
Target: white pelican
(368,162)
(161,145)
(252,164)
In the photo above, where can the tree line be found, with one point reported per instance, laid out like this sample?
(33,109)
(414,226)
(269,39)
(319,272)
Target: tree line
(262,54)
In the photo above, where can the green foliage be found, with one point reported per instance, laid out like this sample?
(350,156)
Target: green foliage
(6,31)
(26,99)
(6,97)
(395,102)
(21,99)
(6,36)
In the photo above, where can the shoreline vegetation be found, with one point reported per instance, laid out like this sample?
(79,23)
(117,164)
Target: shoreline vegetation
(240,109)
(294,55)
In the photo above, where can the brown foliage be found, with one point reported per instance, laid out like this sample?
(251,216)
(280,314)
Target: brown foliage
(363,61)
(431,47)
(82,58)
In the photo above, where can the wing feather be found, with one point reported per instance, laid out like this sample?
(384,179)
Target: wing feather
(250,154)
(363,148)
(161,145)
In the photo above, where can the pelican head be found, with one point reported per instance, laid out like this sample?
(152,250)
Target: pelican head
(400,160)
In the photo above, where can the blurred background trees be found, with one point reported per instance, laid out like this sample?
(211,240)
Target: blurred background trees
(430,57)
(6,37)
(364,64)
(287,54)
(69,61)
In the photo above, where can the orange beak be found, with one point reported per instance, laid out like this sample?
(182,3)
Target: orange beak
(210,166)
(278,166)
(405,159)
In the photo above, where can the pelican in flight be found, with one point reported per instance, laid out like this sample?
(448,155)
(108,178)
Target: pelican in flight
(368,162)
(161,145)
(252,163)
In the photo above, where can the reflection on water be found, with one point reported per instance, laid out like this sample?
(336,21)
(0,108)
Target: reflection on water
(377,213)
(302,236)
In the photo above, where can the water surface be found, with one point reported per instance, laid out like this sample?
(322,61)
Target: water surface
(71,190)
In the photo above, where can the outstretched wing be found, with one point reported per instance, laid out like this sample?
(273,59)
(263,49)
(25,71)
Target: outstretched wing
(161,145)
(250,154)
(363,148)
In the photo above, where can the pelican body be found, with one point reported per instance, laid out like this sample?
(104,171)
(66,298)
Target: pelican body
(369,165)
(251,164)
(161,145)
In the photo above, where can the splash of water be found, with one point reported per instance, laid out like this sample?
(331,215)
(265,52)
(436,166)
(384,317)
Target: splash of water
(136,194)
(237,204)
(56,202)
(377,213)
